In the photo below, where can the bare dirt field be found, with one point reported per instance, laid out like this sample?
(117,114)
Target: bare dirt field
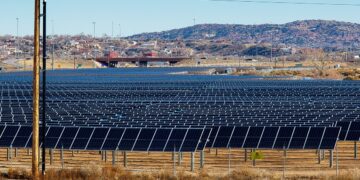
(299,163)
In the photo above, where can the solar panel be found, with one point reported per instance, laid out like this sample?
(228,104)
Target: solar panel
(160,139)
(314,138)
(240,113)
(330,138)
(144,139)
(345,125)
(253,137)
(283,138)
(113,139)
(354,132)
(238,137)
(223,136)
(97,139)
(268,137)
(129,138)
(204,140)
(176,139)
(8,135)
(191,140)
(22,137)
(212,137)
(82,138)
(67,137)
(52,137)
(299,138)
(1,129)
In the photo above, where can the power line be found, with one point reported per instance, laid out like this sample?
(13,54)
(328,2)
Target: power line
(289,2)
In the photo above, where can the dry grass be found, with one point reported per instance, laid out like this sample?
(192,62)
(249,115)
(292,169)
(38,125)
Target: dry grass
(325,74)
(91,172)
(94,172)
(299,163)
(291,73)
(347,72)
(351,74)
(19,173)
(250,174)
(58,64)
(262,63)
(347,175)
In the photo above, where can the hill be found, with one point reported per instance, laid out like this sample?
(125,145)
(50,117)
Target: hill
(307,33)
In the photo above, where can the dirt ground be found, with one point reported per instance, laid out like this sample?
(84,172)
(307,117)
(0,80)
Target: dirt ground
(297,161)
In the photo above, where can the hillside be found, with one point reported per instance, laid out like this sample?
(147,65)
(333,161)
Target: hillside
(314,33)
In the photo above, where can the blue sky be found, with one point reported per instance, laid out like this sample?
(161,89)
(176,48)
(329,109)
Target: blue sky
(137,16)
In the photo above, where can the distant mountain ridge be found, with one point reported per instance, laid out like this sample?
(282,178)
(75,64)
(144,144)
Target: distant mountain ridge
(305,33)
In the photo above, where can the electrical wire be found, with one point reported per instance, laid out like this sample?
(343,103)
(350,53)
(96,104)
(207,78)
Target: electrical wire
(289,2)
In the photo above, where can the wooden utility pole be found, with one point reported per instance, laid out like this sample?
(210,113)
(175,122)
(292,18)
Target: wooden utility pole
(36,92)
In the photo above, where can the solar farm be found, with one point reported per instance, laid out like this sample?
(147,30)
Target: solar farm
(162,117)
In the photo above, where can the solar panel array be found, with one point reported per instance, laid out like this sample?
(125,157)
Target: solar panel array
(274,113)
(168,140)
(125,139)
(275,137)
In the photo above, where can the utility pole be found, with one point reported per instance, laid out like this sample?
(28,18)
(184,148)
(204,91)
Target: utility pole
(36,92)
(17,38)
(94,24)
(271,51)
(53,45)
(18,43)
(112,29)
(44,90)
(119,31)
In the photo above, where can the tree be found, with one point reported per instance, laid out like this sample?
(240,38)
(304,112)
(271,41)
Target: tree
(319,58)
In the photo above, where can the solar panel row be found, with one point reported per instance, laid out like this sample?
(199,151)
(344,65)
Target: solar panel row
(274,137)
(126,139)
(350,131)
(183,103)
(177,114)
(184,140)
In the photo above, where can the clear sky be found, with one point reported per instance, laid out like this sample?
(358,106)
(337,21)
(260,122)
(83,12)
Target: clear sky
(136,16)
